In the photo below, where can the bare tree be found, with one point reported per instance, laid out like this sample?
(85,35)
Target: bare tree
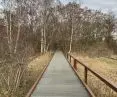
(8,9)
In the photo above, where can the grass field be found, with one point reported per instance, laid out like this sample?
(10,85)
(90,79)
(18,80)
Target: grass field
(31,71)
(104,66)
(35,67)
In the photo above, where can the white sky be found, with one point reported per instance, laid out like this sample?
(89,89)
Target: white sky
(104,5)
(0,3)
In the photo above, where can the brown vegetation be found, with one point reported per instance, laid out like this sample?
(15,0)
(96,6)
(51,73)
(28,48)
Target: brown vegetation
(17,79)
(104,66)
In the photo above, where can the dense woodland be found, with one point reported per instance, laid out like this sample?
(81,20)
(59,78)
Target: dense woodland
(37,26)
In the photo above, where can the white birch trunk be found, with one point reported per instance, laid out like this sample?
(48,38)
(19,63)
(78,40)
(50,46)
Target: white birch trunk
(71,39)
(7,31)
(42,41)
(17,39)
(44,32)
(10,33)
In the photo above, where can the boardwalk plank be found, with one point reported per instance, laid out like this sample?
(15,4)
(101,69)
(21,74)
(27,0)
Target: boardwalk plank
(59,80)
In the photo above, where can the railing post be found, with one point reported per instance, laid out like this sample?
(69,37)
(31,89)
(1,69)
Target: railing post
(67,55)
(75,65)
(85,74)
(70,58)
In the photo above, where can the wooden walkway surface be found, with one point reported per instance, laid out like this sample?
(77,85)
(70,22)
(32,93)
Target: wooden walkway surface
(59,80)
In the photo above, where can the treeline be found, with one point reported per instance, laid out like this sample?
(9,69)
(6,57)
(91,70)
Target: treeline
(39,26)
(47,24)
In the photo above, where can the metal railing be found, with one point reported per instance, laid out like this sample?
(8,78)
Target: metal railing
(86,69)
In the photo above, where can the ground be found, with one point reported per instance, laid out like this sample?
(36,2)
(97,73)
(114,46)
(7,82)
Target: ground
(105,67)
(35,67)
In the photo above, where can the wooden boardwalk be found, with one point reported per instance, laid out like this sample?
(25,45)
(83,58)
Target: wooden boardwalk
(59,80)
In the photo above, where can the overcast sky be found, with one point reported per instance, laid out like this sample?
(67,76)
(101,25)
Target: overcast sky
(104,5)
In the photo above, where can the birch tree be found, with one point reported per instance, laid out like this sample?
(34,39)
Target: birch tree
(19,23)
(8,6)
(46,5)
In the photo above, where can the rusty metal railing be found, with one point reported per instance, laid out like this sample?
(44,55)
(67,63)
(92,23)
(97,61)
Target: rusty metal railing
(86,69)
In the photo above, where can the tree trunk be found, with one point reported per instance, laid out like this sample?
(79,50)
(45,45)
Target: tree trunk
(42,41)
(10,33)
(17,39)
(44,32)
(71,39)
(7,31)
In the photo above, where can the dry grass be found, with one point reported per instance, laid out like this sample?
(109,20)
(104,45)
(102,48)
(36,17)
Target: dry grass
(35,67)
(104,66)
(16,80)
(39,62)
